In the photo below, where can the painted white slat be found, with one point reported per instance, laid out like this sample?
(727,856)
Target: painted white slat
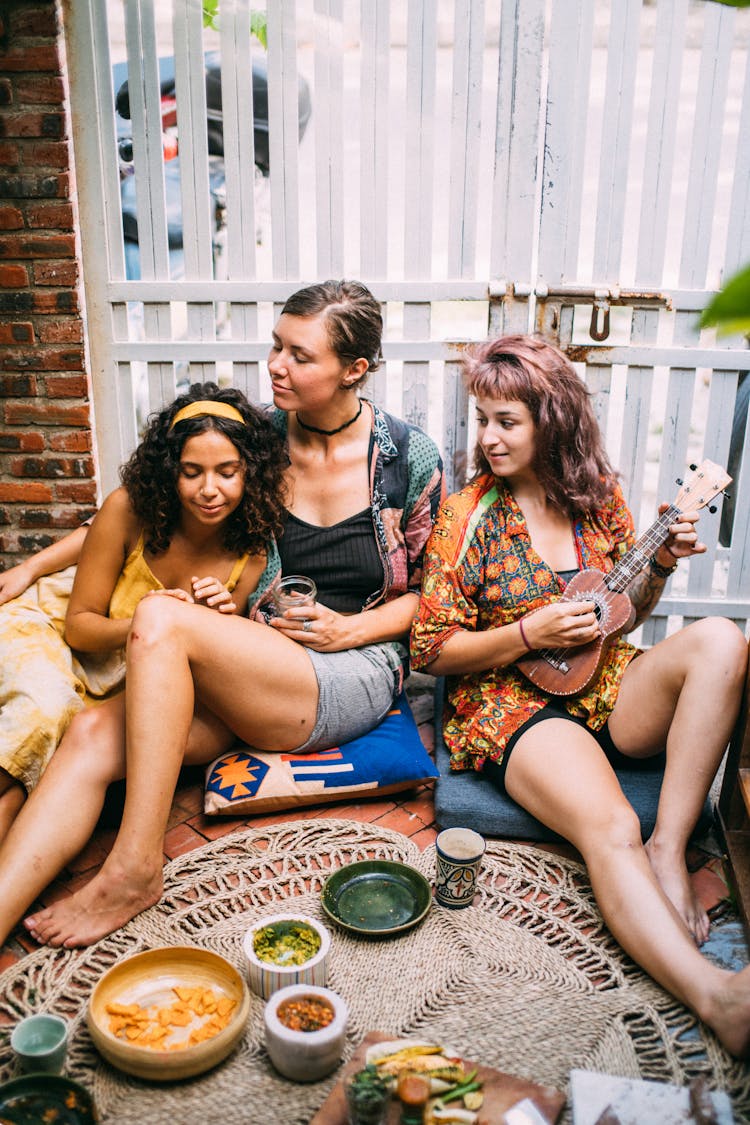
(190,88)
(454,445)
(738,236)
(145,117)
(706,147)
(517,126)
(419,130)
(283,114)
(238,137)
(374,133)
(639,384)
(564,147)
(622,53)
(660,141)
(330,198)
(466,136)
(238,114)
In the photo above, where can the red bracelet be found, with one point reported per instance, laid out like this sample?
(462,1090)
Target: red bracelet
(523,635)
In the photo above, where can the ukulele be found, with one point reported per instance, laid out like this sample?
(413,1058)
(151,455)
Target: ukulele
(568,671)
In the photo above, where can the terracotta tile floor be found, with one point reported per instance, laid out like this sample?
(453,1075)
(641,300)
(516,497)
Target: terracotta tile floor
(411,813)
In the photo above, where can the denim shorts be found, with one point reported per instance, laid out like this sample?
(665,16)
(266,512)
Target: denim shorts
(356,689)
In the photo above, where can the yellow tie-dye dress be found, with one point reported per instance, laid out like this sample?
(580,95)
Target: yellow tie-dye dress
(42,681)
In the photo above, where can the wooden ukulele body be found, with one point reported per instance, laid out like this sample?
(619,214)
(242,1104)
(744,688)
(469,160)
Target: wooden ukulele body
(568,671)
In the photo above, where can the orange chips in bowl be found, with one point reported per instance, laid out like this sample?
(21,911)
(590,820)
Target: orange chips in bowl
(168,1013)
(200,1010)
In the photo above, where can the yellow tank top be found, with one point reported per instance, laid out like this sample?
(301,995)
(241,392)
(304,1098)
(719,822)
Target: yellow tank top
(137,580)
(103,672)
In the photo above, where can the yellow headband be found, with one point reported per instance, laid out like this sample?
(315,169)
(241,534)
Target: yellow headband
(207,406)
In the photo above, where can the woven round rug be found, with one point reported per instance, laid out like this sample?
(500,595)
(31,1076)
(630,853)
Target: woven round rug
(526,980)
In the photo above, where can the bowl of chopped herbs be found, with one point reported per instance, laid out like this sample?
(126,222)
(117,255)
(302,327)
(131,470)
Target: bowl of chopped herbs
(286,949)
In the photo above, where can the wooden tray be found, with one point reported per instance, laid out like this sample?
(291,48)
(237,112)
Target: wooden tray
(501,1091)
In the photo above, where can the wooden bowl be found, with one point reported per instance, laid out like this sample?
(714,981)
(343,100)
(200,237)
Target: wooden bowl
(149,980)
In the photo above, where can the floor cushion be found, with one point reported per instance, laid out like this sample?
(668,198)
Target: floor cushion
(388,759)
(466,799)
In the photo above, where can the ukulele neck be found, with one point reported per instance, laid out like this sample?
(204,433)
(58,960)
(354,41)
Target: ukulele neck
(639,554)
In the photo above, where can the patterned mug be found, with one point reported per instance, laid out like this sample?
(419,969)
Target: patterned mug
(458,854)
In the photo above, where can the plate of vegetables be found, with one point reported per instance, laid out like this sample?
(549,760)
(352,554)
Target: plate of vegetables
(432,1083)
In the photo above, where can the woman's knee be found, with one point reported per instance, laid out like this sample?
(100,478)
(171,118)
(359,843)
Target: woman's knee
(614,829)
(157,620)
(92,746)
(717,642)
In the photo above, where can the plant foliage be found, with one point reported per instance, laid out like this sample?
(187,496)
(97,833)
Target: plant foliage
(730,308)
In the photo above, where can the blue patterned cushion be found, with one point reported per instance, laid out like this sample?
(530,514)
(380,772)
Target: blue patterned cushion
(390,758)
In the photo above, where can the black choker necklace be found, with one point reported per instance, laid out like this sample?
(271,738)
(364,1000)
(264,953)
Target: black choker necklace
(330,433)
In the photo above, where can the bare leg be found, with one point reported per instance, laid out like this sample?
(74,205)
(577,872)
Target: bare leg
(258,683)
(96,738)
(560,775)
(12,797)
(61,812)
(683,693)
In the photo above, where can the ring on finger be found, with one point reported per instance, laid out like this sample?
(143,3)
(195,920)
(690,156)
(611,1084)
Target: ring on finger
(307,625)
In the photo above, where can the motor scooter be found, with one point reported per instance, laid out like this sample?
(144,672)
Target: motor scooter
(215,136)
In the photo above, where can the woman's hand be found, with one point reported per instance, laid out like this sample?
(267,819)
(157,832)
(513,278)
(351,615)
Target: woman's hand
(214,594)
(682,541)
(562,624)
(14,581)
(316,626)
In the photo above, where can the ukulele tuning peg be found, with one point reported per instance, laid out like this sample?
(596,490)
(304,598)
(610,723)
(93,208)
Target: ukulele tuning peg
(679,481)
(712,508)
(693,468)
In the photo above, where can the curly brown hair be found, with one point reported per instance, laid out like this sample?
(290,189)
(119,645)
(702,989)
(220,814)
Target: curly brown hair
(571,463)
(150,476)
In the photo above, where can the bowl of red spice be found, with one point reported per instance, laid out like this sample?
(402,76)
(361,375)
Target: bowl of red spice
(305,1028)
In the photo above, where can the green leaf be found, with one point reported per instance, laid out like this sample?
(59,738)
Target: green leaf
(734,3)
(210,14)
(730,308)
(259,26)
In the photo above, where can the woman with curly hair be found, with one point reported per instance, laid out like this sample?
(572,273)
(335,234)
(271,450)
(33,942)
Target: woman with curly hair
(544,505)
(363,489)
(201,499)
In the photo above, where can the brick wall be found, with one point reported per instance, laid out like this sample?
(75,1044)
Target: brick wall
(46,466)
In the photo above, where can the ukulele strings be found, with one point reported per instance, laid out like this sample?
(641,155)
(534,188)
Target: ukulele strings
(651,540)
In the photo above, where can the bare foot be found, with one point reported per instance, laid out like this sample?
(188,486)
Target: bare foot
(674,879)
(105,904)
(729,1013)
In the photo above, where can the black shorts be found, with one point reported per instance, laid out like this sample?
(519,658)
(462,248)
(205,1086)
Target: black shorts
(495,771)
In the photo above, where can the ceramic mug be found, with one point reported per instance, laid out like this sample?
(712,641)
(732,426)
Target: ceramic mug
(458,854)
(40,1043)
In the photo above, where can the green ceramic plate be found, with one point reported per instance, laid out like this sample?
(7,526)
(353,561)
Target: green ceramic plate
(46,1097)
(376,897)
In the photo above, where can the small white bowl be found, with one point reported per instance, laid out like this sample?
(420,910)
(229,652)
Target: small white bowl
(305,1056)
(265,978)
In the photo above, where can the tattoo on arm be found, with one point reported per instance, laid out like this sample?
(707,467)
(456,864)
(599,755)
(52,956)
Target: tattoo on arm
(644,592)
